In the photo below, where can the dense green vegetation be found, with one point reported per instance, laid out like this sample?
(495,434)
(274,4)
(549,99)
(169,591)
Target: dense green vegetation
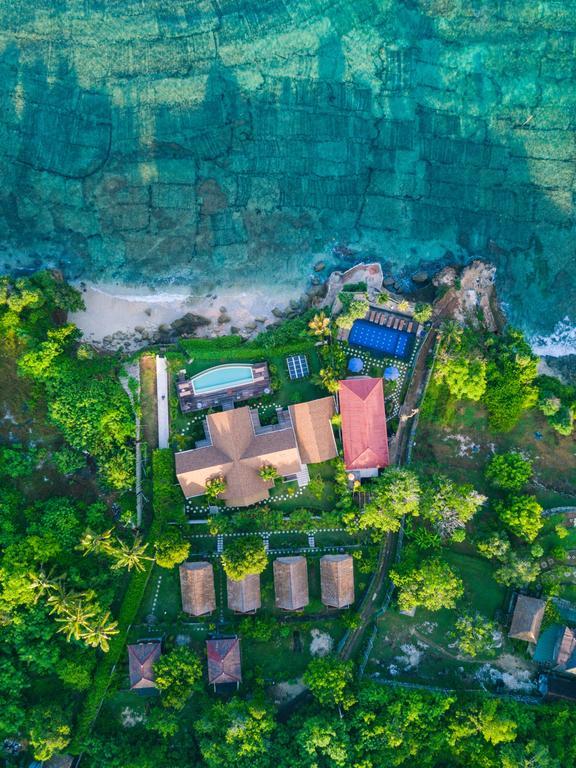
(59,616)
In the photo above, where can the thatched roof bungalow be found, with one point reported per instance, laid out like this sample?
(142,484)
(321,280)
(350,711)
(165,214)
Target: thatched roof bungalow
(244,595)
(141,658)
(197,585)
(527,618)
(337,580)
(224,663)
(291,583)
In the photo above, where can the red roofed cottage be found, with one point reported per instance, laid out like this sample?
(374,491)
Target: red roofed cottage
(224,666)
(363,426)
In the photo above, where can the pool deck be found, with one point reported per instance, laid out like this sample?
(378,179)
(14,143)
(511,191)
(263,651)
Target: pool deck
(227,396)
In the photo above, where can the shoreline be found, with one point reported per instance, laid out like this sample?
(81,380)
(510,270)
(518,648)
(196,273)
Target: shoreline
(128,317)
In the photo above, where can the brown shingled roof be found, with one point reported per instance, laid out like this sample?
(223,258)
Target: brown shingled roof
(337,580)
(527,618)
(244,595)
(313,429)
(224,663)
(291,583)
(197,585)
(141,658)
(237,453)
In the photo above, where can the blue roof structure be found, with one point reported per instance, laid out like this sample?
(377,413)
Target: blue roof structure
(355,365)
(380,339)
(391,373)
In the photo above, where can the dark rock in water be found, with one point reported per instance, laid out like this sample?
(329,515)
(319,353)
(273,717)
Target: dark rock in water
(223,319)
(320,266)
(148,311)
(420,277)
(294,304)
(388,281)
(189,323)
(277,312)
(259,319)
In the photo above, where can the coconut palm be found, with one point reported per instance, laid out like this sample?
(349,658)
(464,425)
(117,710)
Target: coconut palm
(130,555)
(41,583)
(215,487)
(403,305)
(320,325)
(75,620)
(63,602)
(97,543)
(98,634)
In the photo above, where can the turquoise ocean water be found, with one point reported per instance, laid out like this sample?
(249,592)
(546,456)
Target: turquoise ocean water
(237,143)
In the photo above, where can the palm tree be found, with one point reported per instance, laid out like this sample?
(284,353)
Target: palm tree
(320,325)
(63,602)
(76,620)
(327,379)
(41,583)
(99,543)
(130,556)
(98,634)
(268,472)
(403,305)
(451,333)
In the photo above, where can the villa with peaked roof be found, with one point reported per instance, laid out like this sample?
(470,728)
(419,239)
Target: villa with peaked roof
(237,447)
(141,658)
(224,663)
(527,618)
(337,580)
(197,587)
(291,583)
(364,431)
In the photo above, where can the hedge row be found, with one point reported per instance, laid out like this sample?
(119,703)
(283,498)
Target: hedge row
(244,352)
(165,497)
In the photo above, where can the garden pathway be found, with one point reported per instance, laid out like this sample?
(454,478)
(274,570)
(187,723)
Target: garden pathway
(162,395)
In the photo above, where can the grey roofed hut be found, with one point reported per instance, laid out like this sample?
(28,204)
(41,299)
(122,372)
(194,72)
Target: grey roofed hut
(291,582)
(337,580)
(197,585)
(527,618)
(244,595)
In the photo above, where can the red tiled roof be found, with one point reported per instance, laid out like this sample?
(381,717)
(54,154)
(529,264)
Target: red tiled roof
(224,661)
(141,658)
(363,423)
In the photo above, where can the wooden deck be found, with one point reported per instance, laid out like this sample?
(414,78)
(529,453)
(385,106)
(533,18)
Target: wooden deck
(189,402)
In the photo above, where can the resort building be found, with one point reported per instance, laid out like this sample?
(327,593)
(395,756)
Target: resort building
(558,688)
(364,432)
(337,580)
(224,663)
(564,656)
(141,658)
(197,586)
(291,583)
(527,618)
(244,595)
(222,385)
(236,448)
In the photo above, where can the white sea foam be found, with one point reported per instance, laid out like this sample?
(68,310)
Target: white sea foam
(137,294)
(562,340)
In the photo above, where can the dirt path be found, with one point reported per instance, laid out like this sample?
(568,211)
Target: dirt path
(453,656)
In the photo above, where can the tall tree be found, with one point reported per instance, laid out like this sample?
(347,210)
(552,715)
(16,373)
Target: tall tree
(522,515)
(394,494)
(178,674)
(243,556)
(432,585)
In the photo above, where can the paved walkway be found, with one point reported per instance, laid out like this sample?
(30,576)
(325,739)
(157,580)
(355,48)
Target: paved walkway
(162,395)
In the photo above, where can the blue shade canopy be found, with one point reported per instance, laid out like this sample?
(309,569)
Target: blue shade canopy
(355,365)
(391,373)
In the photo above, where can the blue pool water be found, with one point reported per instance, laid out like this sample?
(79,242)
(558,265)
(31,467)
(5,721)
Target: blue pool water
(221,377)
(380,340)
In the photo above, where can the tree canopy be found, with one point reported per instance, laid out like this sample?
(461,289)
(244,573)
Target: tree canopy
(243,556)
(432,584)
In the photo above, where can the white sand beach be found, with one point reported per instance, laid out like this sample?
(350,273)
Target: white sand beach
(127,313)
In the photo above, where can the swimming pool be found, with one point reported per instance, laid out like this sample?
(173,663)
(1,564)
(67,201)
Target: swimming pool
(222,377)
(380,340)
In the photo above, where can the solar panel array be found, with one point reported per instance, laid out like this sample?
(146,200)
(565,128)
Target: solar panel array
(297,367)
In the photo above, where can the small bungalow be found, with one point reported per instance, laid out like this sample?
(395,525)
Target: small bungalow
(197,585)
(291,583)
(527,618)
(224,663)
(337,580)
(244,595)
(141,658)
(364,431)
